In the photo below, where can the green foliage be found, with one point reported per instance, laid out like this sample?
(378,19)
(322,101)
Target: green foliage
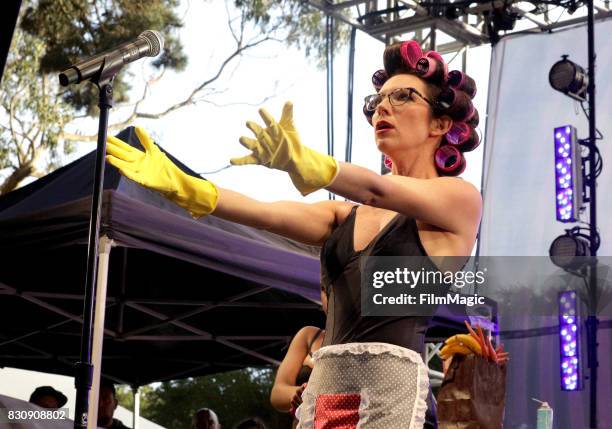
(77,29)
(303,26)
(33,111)
(232,395)
(125,396)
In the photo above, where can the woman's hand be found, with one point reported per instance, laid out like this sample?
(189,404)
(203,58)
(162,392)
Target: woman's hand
(154,170)
(278,146)
(296,400)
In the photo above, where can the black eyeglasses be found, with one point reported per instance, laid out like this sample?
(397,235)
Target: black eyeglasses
(397,97)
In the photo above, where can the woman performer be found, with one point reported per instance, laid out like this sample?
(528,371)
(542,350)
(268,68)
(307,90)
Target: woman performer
(369,371)
(295,369)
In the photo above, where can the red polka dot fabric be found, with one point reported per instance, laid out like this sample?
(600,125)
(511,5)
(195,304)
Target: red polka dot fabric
(338,411)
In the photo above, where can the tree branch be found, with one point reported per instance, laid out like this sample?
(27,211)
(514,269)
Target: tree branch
(75,137)
(22,172)
(193,97)
(9,130)
(229,23)
(32,145)
(12,118)
(238,103)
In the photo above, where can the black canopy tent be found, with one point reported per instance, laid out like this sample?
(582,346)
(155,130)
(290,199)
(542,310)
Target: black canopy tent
(185,297)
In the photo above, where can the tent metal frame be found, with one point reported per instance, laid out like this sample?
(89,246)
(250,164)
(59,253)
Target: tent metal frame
(190,332)
(198,335)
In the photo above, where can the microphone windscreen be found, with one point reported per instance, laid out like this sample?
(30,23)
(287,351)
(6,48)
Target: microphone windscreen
(155,41)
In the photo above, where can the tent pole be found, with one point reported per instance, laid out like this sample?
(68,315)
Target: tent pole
(98,329)
(136,410)
(83,368)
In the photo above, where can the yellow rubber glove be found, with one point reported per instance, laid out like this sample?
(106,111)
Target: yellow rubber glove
(278,146)
(153,169)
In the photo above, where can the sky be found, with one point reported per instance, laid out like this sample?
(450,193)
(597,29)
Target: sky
(205,135)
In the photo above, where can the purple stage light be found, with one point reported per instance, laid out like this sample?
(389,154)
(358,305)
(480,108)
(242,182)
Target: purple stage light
(568,179)
(569,341)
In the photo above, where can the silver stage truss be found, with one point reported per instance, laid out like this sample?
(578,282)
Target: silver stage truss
(454,26)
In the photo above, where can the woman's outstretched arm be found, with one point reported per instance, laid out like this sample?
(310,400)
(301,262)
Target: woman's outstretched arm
(307,223)
(303,222)
(446,202)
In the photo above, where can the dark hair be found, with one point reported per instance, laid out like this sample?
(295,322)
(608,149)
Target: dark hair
(250,423)
(105,383)
(41,391)
(452,94)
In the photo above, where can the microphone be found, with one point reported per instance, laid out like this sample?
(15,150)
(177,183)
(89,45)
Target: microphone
(148,44)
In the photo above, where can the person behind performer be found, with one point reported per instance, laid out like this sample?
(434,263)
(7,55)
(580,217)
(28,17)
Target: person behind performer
(107,404)
(251,423)
(423,120)
(48,397)
(205,418)
(294,371)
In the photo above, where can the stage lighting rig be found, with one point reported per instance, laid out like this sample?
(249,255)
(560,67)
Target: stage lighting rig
(568,174)
(569,341)
(569,251)
(504,19)
(499,19)
(569,78)
(574,247)
(452,12)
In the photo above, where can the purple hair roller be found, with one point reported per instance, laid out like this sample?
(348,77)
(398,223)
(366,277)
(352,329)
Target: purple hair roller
(462,82)
(449,161)
(473,119)
(425,67)
(379,78)
(455,104)
(471,143)
(458,134)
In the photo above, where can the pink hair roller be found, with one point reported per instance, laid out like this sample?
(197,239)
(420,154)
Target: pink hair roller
(411,53)
(388,163)
(449,161)
(436,56)
(431,69)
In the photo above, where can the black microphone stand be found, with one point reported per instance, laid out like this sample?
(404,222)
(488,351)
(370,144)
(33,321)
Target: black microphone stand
(84,368)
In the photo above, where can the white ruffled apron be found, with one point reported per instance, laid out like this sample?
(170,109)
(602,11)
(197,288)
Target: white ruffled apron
(365,385)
